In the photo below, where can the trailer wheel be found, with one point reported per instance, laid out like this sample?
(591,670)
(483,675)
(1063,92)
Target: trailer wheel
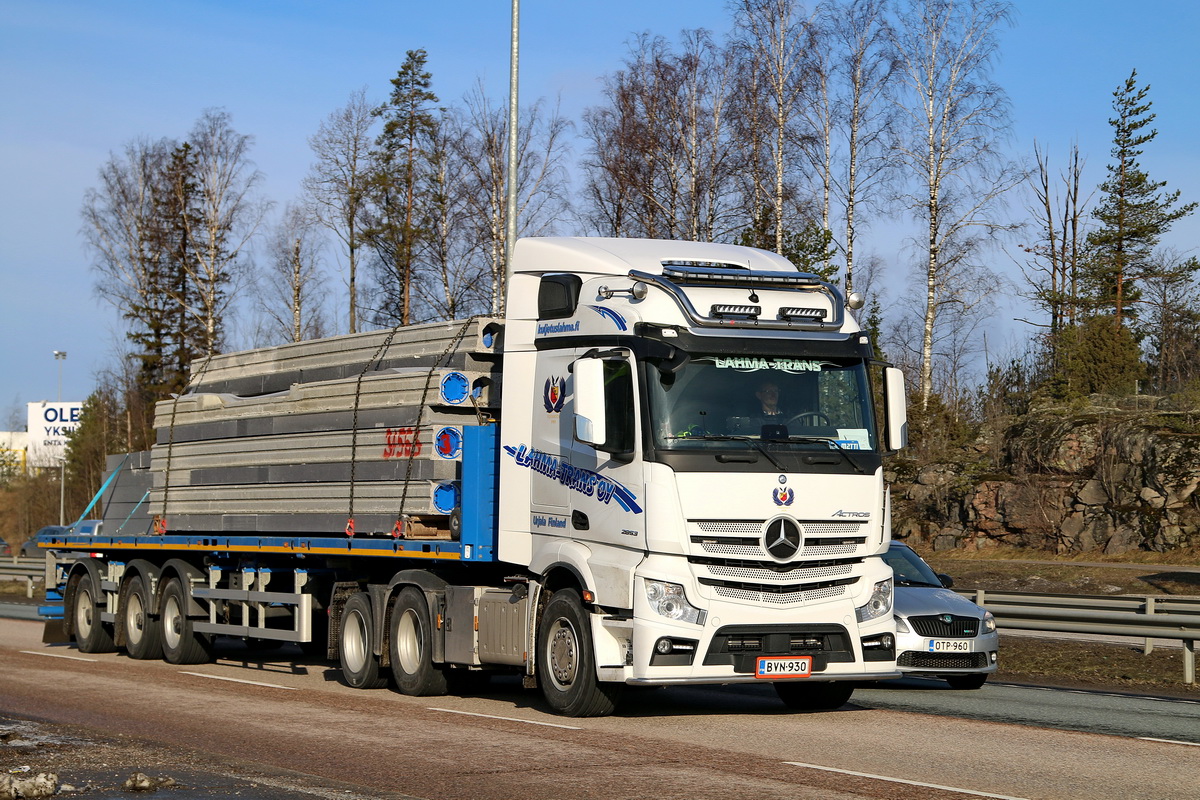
(143,635)
(360,667)
(411,646)
(91,635)
(181,644)
(817,696)
(566,664)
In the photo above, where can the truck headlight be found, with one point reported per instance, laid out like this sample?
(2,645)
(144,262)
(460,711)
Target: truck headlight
(669,600)
(879,604)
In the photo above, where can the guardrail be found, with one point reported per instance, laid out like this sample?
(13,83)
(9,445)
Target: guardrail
(1149,617)
(23,569)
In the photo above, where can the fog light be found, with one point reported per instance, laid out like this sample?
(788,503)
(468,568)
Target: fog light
(663,646)
(993,655)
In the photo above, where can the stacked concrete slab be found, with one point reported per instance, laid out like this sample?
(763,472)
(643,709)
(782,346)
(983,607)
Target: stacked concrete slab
(304,437)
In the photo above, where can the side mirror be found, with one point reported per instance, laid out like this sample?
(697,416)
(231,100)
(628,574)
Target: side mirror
(897,409)
(946,580)
(590,412)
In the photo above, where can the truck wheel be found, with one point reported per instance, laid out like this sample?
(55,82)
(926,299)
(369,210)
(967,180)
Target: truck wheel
(91,635)
(360,667)
(411,646)
(180,642)
(967,681)
(817,696)
(566,665)
(143,636)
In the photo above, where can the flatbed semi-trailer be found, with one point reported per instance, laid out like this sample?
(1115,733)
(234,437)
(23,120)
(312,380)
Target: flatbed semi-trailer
(590,492)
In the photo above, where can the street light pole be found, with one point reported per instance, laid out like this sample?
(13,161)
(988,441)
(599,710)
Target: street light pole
(60,356)
(510,231)
(62,490)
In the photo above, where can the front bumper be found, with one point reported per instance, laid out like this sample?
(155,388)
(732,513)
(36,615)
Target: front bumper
(915,655)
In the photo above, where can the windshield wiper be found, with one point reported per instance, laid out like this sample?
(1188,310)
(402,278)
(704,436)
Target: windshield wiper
(903,582)
(836,446)
(722,437)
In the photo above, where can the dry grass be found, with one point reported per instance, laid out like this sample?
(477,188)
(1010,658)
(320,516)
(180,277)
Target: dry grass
(1074,664)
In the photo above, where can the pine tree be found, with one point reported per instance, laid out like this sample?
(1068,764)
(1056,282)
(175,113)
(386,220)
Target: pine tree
(410,123)
(1134,211)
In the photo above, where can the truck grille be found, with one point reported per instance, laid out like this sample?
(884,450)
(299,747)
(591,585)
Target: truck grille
(937,626)
(744,538)
(779,595)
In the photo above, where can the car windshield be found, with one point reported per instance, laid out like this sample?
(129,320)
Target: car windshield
(794,403)
(909,569)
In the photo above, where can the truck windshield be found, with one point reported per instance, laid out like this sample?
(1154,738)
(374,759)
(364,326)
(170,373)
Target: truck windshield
(792,404)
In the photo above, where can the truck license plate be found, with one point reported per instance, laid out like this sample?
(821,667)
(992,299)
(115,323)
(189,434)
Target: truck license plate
(770,667)
(949,646)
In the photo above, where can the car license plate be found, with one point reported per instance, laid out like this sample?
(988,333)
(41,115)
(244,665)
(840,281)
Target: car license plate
(770,667)
(949,646)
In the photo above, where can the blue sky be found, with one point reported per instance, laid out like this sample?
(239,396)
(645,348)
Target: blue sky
(80,79)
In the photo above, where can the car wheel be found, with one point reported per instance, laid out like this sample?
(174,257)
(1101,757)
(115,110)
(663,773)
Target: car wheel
(966,681)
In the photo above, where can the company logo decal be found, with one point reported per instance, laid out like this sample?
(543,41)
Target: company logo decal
(783,496)
(782,539)
(546,328)
(574,478)
(611,316)
(554,394)
(448,442)
(755,363)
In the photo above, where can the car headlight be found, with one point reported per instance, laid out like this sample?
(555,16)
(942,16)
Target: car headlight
(901,625)
(669,600)
(989,622)
(879,604)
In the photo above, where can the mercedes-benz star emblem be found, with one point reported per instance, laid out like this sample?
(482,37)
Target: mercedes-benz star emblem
(782,539)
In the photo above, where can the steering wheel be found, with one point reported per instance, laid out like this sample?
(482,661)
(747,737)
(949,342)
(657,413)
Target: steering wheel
(817,417)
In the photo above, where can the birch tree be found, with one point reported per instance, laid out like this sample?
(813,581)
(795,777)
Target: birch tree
(229,214)
(956,120)
(773,33)
(290,289)
(338,182)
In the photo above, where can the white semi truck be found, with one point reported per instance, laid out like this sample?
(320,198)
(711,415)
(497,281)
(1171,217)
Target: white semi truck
(663,466)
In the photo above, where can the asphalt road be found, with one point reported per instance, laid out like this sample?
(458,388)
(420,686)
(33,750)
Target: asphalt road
(290,728)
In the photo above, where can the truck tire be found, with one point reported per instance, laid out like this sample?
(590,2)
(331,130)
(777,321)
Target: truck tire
(360,666)
(143,635)
(181,644)
(91,635)
(411,646)
(815,696)
(566,665)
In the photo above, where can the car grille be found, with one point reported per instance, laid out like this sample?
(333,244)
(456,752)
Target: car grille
(937,626)
(912,658)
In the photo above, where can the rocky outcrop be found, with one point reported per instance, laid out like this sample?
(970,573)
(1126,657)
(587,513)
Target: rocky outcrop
(1094,478)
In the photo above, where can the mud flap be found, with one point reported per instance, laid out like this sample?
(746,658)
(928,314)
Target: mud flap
(54,632)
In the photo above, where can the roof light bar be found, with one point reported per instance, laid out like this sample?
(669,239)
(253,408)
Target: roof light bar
(739,276)
(792,312)
(727,310)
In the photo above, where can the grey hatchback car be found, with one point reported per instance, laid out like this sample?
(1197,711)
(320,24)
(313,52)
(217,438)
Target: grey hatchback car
(939,634)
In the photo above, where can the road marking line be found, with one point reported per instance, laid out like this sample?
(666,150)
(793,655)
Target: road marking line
(508,719)
(902,780)
(1168,741)
(238,680)
(56,655)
